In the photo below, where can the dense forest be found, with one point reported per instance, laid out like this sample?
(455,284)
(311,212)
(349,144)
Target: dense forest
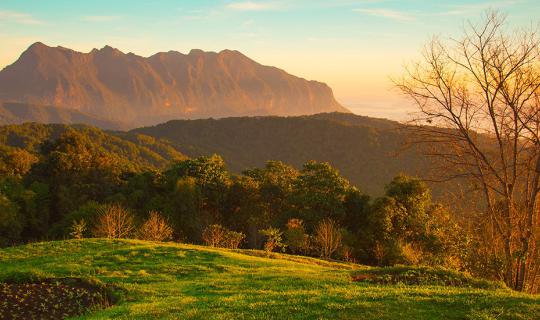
(62,181)
(367,151)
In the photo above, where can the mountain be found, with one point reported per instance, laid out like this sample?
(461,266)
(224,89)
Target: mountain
(111,85)
(366,150)
(17,113)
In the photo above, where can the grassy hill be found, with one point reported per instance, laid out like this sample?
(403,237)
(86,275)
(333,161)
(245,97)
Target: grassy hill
(178,281)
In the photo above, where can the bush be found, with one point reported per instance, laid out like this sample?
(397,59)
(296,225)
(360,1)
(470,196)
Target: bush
(216,235)
(114,222)
(411,254)
(213,235)
(155,228)
(273,239)
(78,228)
(233,239)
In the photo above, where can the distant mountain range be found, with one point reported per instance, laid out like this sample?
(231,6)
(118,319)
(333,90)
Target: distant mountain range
(109,85)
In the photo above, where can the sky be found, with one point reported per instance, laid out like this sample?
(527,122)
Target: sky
(356,47)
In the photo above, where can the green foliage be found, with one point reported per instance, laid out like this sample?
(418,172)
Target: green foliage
(296,238)
(11,223)
(363,148)
(319,193)
(273,240)
(140,151)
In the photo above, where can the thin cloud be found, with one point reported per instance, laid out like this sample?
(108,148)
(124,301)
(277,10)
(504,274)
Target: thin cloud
(18,17)
(474,8)
(385,13)
(100,18)
(251,6)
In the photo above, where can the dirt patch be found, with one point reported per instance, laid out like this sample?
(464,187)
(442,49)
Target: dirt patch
(51,299)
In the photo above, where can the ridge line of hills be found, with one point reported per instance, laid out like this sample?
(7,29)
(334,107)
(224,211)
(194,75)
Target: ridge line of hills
(365,150)
(113,86)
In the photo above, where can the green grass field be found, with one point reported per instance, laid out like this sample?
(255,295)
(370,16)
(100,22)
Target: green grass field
(178,281)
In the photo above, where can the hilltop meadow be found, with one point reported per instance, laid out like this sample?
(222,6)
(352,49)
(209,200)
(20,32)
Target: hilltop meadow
(178,281)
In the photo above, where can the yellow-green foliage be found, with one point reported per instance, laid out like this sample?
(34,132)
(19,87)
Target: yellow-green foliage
(178,281)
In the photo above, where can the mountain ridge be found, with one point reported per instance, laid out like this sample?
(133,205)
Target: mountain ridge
(113,85)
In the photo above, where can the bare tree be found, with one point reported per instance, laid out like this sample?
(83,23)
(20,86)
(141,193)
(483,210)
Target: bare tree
(156,228)
(114,222)
(327,237)
(478,100)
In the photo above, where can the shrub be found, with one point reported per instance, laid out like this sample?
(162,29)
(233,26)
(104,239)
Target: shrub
(273,239)
(232,239)
(411,254)
(327,238)
(78,228)
(213,235)
(114,222)
(216,235)
(155,228)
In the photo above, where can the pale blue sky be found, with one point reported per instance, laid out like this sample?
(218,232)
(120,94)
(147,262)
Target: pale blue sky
(354,46)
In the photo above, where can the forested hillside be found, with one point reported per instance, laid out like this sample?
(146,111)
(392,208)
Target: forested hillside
(367,151)
(22,144)
(55,176)
(18,113)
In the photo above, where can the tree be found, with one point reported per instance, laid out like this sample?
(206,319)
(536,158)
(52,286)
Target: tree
(276,183)
(11,222)
(295,235)
(478,99)
(114,222)
(411,201)
(15,161)
(246,210)
(327,237)
(319,192)
(76,170)
(155,228)
(211,182)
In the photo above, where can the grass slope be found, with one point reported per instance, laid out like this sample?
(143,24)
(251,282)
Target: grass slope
(178,281)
